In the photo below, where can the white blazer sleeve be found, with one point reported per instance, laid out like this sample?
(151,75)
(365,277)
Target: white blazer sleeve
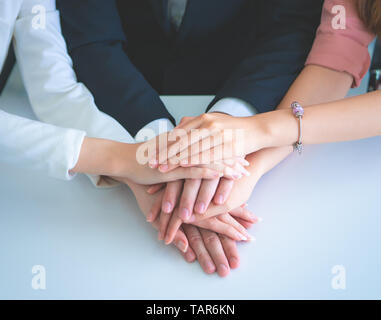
(39,146)
(46,68)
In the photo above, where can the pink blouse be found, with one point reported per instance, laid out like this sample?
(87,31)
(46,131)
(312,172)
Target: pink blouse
(342,49)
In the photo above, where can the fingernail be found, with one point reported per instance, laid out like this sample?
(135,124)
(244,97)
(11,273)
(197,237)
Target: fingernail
(149,217)
(244,205)
(220,199)
(210,267)
(200,207)
(184,162)
(167,207)
(223,270)
(167,240)
(163,168)
(153,163)
(237,176)
(149,190)
(181,246)
(246,173)
(246,163)
(189,256)
(251,239)
(184,214)
(233,262)
(241,236)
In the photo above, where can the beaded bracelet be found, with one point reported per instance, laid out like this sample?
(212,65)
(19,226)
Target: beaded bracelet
(298,112)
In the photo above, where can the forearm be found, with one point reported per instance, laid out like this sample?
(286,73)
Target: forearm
(343,120)
(314,85)
(104,157)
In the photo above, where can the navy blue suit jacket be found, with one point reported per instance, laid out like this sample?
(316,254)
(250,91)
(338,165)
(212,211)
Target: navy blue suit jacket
(126,52)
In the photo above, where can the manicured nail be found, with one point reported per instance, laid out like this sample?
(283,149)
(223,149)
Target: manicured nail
(167,240)
(163,168)
(181,246)
(237,176)
(233,262)
(153,163)
(246,173)
(210,267)
(220,199)
(149,217)
(167,207)
(184,214)
(241,236)
(200,207)
(244,205)
(189,256)
(223,270)
(245,162)
(251,239)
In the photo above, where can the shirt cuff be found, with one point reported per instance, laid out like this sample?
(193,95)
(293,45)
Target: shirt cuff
(234,107)
(153,129)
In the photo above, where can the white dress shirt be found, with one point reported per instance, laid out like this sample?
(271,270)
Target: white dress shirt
(65,105)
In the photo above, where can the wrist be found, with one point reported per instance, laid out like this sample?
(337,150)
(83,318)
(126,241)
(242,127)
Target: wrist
(260,133)
(277,128)
(104,157)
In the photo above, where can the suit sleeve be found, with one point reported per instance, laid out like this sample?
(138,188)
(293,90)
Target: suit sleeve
(280,43)
(95,39)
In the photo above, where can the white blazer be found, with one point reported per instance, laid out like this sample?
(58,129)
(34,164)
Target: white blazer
(65,106)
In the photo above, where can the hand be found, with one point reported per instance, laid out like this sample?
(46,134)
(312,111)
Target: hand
(232,137)
(123,160)
(240,194)
(203,190)
(214,252)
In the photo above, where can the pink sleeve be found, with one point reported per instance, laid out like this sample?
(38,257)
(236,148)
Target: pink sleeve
(344,49)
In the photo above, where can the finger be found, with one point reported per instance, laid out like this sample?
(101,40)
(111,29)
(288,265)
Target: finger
(188,123)
(231,251)
(171,195)
(205,195)
(240,168)
(234,172)
(192,173)
(223,191)
(155,210)
(189,255)
(164,220)
(216,225)
(173,226)
(194,143)
(180,241)
(230,221)
(188,198)
(197,244)
(155,188)
(245,223)
(216,251)
(243,213)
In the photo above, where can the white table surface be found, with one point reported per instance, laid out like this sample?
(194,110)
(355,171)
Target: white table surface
(320,210)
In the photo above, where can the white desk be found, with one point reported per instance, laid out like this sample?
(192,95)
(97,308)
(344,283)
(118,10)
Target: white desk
(95,243)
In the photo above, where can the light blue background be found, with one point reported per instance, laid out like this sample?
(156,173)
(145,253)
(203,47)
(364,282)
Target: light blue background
(320,210)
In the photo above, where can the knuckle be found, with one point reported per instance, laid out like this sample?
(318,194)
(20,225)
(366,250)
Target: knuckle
(211,239)
(194,238)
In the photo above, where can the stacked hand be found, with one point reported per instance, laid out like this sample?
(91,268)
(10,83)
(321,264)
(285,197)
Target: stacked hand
(198,206)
